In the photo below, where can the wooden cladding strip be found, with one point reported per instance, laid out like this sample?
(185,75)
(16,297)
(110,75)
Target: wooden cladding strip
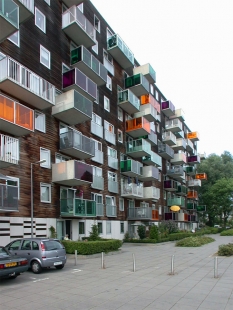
(4,229)
(17,237)
(4,222)
(41,229)
(41,224)
(4,235)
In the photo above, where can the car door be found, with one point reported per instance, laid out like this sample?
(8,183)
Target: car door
(25,249)
(14,247)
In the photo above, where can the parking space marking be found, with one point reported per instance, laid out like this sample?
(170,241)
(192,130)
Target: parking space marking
(76,270)
(41,280)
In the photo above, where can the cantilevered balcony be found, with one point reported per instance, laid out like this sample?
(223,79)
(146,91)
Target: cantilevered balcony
(192,195)
(179,134)
(131,168)
(170,216)
(98,182)
(72,173)
(128,101)
(75,144)
(99,156)
(142,213)
(202,155)
(77,208)
(178,201)
(201,208)
(191,205)
(149,173)
(155,215)
(165,151)
(97,129)
(76,79)
(147,71)
(168,108)
(9,18)
(148,111)
(179,159)
(111,211)
(189,146)
(82,59)
(138,148)
(72,108)
(182,217)
(9,198)
(151,138)
(180,145)
(201,176)
(24,84)
(120,51)
(148,98)
(137,127)
(152,159)
(170,185)
(194,183)
(15,118)
(194,159)
(26,9)
(70,3)
(194,136)
(173,125)
(132,190)
(77,27)
(190,170)
(138,84)
(169,138)
(179,113)
(9,151)
(113,186)
(113,162)
(175,171)
(181,190)
(151,193)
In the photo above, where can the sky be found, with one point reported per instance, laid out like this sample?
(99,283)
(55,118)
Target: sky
(189,45)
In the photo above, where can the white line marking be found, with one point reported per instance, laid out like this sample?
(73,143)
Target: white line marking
(41,280)
(76,270)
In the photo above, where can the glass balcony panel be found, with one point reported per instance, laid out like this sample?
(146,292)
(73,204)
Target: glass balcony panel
(147,111)
(97,129)
(84,207)
(181,190)
(152,159)
(151,193)
(175,171)
(113,162)
(138,84)
(132,190)
(138,148)
(26,9)
(169,138)
(109,66)
(192,195)
(180,145)
(99,209)
(179,113)
(189,146)
(178,201)
(201,176)
(139,213)
(170,185)
(131,167)
(179,134)
(173,125)
(190,170)
(168,108)
(147,71)
(99,156)
(113,186)
(165,151)
(9,151)
(149,173)
(9,18)
(194,182)
(179,159)
(9,198)
(128,101)
(111,211)
(98,182)
(195,159)
(148,98)
(138,127)
(194,136)
(110,136)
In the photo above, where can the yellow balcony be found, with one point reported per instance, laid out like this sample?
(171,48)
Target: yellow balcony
(138,127)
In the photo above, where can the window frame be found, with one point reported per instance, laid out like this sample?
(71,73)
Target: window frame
(122,231)
(44,22)
(47,164)
(106,104)
(49,187)
(36,114)
(96,119)
(18,38)
(120,114)
(108,227)
(43,49)
(121,204)
(97,27)
(109,83)
(83,223)
(100,232)
(120,137)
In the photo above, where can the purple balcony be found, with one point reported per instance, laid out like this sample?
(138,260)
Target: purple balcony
(195,159)
(170,185)
(168,108)
(170,216)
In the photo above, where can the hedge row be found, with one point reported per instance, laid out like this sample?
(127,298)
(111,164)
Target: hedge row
(91,247)
(228,232)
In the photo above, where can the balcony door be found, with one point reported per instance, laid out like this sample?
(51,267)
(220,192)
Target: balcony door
(67,196)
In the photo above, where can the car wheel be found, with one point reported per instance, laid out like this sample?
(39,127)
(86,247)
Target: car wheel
(15,276)
(59,266)
(36,267)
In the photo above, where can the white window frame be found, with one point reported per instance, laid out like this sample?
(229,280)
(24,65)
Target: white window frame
(120,135)
(43,49)
(97,171)
(109,33)
(113,200)
(96,119)
(49,188)
(43,28)
(131,203)
(97,25)
(59,158)
(100,222)
(95,47)
(40,117)
(15,38)
(45,154)
(108,126)
(82,234)
(98,145)
(14,180)
(121,204)
(112,152)
(108,228)
(106,104)
(127,117)
(48,2)
(152,89)
(109,82)
(107,56)
(113,177)
(120,114)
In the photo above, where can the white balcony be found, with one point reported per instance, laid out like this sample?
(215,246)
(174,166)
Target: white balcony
(180,145)
(111,211)
(9,151)
(99,156)
(98,182)
(147,71)
(110,136)
(148,111)
(113,162)
(173,125)
(9,18)
(189,146)
(97,129)
(179,159)
(149,173)
(195,182)
(151,193)
(179,113)
(113,186)
(108,65)
(169,138)
(99,209)
(128,101)
(131,190)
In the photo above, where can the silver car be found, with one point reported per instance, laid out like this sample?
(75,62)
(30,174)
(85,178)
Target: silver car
(40,252)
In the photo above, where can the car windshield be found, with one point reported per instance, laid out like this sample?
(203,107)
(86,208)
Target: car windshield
(3,252)
(52,245)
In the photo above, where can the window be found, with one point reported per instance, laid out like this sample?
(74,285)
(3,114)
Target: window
(26,245)
(40,20)
(127,117)
(109,83)
(97,171)
(107,56)
(151,89)
(14,38)
(108,62)
(39,121)
(112,152)
(100,228)
(98,145)
(73,46)
(44,57)
(106,104)
(109,127)
(157,128)
(45,154)
(125,75)
(120,136)
(45,192)
(131,204)
(122,228)
(121,204)
(60,158)
(108,227)
(120,114)
(97,97)
(96,119)
(157,95)
(159,177)
(112,176)
(164,195)
(47,1)
(14,182)
(81,228)
(109,33)
(65,68)
(97,23)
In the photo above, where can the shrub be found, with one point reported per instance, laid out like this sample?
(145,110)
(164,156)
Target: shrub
(194,241)
(178,236)
(228,232)
(142,231)
(126,236)
(225,249)
(154,232)
(168,226)
(94,233)
(91,247)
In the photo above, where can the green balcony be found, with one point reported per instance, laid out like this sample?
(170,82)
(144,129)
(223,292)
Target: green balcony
(128,101)
(78,207)
(138,148)
(131,168)
(138,84)
(178,201)
(190,170)
(181,190)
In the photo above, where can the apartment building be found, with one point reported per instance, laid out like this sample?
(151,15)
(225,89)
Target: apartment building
(86,135)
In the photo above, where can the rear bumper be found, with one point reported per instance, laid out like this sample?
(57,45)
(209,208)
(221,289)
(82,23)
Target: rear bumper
(50,262)
(7,273)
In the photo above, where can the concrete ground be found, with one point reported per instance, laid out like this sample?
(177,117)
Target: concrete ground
(194,285)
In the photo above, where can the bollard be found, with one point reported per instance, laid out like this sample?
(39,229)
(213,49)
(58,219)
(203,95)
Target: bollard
(216,267)
(172,264)
(134,263)
(76,257)
(102,260)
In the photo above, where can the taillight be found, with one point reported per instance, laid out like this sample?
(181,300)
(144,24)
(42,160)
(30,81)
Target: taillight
(42,246)
(2,266)
(23,262)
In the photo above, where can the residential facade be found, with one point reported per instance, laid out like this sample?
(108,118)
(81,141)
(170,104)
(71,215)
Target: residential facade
(86,135)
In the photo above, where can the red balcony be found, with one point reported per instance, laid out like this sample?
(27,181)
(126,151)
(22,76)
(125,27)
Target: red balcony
(192,195)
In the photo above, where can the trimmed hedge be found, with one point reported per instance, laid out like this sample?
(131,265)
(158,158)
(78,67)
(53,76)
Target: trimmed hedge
(91,247)
(178,236)
(228,232)
(225,249)
(194,241)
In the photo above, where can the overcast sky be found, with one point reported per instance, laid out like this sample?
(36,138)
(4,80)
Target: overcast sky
(189,43)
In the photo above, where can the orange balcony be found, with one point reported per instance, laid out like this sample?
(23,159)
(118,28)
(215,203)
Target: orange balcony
(155,214)
(201,176)
(194,136)
(138,127)
(186,217)
(192,195)
(150,99)
(15,118)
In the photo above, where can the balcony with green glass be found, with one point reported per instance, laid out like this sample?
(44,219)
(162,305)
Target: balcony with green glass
(131,168)
(138,148)
(128,101)
(191,205)
(147,71)
(181,190)
(149,173)
(72,108)
(77,208)
(180,145)
(82,59)
(120,51)
(190,170)
(9,18)
(201,208)
(26,9)
(165,151)
(152,159)
(138,84)
(176,201)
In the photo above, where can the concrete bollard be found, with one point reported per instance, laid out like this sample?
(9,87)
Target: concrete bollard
(75,257)
(172,264)
(216,267)
(134,263)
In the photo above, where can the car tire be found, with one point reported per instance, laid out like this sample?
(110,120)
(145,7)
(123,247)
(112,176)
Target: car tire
(14,277)
(59,266)
(36,267)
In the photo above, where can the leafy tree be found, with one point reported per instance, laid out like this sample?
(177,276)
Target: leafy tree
(142,231)
(94,233)
(154,232)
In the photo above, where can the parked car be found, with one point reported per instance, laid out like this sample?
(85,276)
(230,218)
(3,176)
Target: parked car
(11,266)
(40,252)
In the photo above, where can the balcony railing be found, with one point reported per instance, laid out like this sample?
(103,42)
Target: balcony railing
(78,207)
(194,136)
(148,111)
(182,217)
(75,144)
(179,159)
(192,195)
(173,125)
(77,27)
(108,65)
(76,79)
(131,168)
(165,151)
(179,134)
(9,18)
(170,216)
(9,151)
(70,3)
(99,156)
(137,127)
(26,9)
(189,146)
(138,148)
(194,183)
(151,193)
(190,170)
(132,190)
(201,176)
(99,209)
(170,185)
(9,198)
(148,98)
(97,129)
(128,101)
(168,108)
(169,138)
(113,162)
(181,190)
(179,113)
(83,59)
(175,171)
(179,201)
(180,145)
(111,211)
(72,108)
(110,136)
(142,213)
(138,84)
(152,159)
(15,118)
(147,71)
(19,81)
(195,159)
(113,186)
(149,173)
(120,51)
(98,182)
(152,138)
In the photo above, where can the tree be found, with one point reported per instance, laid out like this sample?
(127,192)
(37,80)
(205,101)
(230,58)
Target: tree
(94,233)
(142,231)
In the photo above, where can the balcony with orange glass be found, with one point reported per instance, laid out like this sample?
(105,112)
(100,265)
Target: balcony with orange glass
(201,176)
(148,98)
(15,118)
(192,195)
(137,127)
(194,136)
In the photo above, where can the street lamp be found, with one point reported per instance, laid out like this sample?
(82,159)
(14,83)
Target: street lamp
(32,209)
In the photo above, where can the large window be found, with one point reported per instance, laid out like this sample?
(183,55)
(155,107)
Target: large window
(81,228)
(108,227)
(39,121)
(44,57)
(100,228)
(14,182)
(40,20)
(120,135)
(96,119)
(45,192)
(112,152)
(97,23)
(122,228)
(120,114)
(109,83)
(45,154)
(121,204)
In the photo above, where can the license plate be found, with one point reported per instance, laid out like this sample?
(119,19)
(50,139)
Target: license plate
(11,264)
(57,263)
